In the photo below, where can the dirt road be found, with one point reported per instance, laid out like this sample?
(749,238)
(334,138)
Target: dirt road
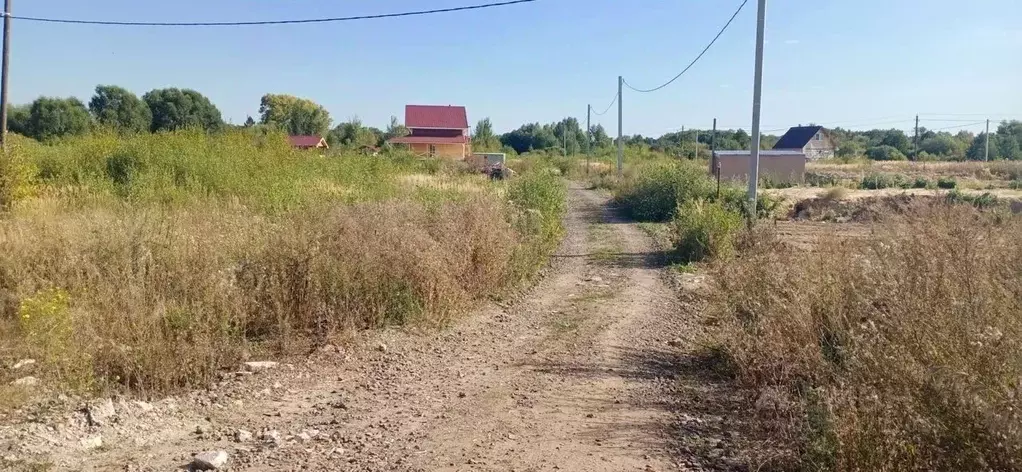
(589,371)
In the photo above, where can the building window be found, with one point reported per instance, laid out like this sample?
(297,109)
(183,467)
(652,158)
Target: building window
(432,150)
(819,136)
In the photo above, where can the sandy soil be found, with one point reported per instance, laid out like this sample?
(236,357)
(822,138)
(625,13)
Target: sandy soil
(596,368)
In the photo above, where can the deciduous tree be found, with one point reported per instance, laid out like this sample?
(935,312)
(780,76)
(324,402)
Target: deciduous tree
(296,116)
(120,109)
(175,108)
(55,117)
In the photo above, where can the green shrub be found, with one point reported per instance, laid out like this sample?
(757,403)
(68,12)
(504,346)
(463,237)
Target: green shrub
(947,183)
(876,181)
(705,230)
(986,200)
(814,179)
(540,200)
(921,182)
(885,153)
(658,188)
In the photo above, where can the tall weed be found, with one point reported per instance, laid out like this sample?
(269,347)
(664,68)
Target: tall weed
(901,350)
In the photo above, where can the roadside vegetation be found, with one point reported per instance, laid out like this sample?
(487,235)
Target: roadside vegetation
(151,262)
(897,350)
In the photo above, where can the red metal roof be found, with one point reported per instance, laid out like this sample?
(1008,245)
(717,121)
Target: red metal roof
(429,140)
(435,116)
(304,141)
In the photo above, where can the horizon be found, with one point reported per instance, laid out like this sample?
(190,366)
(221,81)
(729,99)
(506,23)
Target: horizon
(516,79)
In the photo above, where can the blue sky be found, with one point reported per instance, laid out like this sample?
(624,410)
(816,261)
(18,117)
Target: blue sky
(837,62)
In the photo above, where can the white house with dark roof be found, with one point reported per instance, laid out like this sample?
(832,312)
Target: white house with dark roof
(813,141)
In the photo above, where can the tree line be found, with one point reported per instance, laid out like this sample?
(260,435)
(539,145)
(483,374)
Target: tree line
(169,109)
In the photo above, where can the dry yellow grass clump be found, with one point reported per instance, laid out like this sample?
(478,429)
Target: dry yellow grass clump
(901,350)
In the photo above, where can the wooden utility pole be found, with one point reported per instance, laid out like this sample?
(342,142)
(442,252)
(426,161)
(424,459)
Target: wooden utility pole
(915,142)
(589,135)
(986,147)
(620,126)
(3,79)
(683,142)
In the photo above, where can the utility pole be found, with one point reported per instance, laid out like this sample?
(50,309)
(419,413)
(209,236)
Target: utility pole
(3,79)
(683,142)
(986,147)
(589,135)
(620,126)
(564,137)
(757,98)
(713,140)
(915,143)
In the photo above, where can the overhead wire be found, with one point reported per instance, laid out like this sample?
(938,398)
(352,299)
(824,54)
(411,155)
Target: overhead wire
(270,22)
(960,126)
(707,48)
(612,102)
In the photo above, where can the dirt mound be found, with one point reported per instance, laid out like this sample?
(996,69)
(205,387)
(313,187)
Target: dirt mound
(862,210)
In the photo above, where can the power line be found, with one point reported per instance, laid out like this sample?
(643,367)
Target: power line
(612,102)
(270,22)
(707,48)
(959,126)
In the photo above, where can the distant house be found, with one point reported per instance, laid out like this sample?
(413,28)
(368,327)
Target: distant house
(813,141)
(308,142)
(436,131)
(777,166)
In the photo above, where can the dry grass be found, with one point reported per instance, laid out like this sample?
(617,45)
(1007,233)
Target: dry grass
(968,171)
(901,350)
(153,284)
(834,193)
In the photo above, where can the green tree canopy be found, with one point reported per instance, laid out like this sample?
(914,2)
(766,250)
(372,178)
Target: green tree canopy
(395,129)
(55,117)
(600,137)
(483,139)
(175,108)
(120,109)
(885,153)
(353,134)
(17,118)
(529,137)
(296,116)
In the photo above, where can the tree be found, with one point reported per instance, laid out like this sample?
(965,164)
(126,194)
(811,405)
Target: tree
(1009,140)
(977,150)
(850,148)
(296,116)
(395,129)
(55,117)
(897,139)
(120,109)
(530,137)
(174,109)
(483,138)
(600,138)
(17,118)
(352,134)
(249,122)
(941,144)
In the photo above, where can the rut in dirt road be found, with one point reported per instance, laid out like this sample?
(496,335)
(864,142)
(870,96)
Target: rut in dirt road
(577,376)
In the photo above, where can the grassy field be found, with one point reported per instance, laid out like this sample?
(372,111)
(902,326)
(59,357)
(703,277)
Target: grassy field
(894,348)
(152,262)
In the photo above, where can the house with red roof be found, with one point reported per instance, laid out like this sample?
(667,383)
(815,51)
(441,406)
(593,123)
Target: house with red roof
(308,142)
(436,131)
